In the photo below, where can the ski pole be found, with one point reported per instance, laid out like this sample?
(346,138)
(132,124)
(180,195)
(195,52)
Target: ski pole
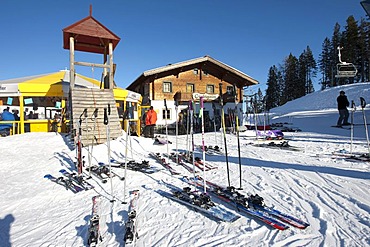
(192,136)
(93,117)
(203,148)
(214,121)
(79,144)
(224,134)
(353,106)
(106,122)
(165,123)
(363,105)
(126,150)
(177,131)
(237,137)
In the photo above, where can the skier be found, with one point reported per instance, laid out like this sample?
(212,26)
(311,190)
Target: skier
(150,121)
(343,103)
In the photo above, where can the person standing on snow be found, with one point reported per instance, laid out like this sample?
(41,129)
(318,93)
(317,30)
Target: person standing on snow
(150,121)
(343,103)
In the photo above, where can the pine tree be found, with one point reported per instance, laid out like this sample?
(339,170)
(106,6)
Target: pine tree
(291,79)
(335,43)
(364,50)
(273,90)
(325,64)
(350,39)
(307,70)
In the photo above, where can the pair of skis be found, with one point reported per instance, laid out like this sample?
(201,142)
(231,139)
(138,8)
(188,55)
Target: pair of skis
(252,205)
(67,183)
(133,165)
(179,160)
(94,235)
(131,233)
(78,179)
(200,202)
(164,163)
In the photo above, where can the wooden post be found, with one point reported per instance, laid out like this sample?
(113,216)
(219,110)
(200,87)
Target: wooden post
(21,114)
(111,65)
(71,63)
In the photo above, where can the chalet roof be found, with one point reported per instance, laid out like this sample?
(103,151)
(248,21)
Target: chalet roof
(90,36)
(214,67)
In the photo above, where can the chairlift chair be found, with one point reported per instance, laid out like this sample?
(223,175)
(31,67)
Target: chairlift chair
(344,69)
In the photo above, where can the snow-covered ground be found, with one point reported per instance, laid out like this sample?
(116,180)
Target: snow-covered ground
(330,194)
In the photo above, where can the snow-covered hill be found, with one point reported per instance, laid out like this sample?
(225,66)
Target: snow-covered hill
(330,194)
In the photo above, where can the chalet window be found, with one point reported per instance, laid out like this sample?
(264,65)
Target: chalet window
(167,87)
(210,89)
(195,71)
(166,115)
(205,72)
(190,88)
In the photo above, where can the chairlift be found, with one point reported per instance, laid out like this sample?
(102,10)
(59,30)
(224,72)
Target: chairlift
(344,69)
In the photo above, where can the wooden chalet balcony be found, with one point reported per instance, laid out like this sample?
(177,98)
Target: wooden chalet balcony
(181,96)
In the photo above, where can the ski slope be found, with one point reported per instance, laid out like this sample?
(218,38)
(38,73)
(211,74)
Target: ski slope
(330,194)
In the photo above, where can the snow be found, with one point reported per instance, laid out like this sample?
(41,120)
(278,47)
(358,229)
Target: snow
(330,194)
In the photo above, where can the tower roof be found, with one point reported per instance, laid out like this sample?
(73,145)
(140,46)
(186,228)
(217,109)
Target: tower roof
(90,36)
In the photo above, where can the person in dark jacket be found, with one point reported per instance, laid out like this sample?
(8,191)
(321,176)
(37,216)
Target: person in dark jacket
(342,108)
(5,128)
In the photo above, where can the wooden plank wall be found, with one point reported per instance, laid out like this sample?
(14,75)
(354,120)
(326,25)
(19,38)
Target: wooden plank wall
(90,99)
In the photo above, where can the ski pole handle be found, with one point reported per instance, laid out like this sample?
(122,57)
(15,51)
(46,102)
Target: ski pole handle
(221,101)
(363,102)
(95,113)
(84,113)
(165,104)
(105,116)
(235,96)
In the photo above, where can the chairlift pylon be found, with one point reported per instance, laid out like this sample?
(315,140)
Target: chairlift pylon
(344,69)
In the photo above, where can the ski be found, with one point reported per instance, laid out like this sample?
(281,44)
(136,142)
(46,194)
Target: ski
(68,184)
(78,179)
(210,150)
(161,140)
(94,236)
(178,159)
(98,172)
(197,161)
(200,202)
(164,163)
(343,154)
(253,204)
(131,225)
(200,164)
(104,168)
(133,165)
(341,127)
(282,145)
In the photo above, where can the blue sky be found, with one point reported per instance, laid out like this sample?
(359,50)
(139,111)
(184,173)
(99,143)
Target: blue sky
(250,36)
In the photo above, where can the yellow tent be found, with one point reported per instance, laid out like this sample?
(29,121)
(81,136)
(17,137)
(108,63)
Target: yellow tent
(54,86)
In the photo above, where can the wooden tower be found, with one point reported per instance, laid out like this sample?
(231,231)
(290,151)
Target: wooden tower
(89,35)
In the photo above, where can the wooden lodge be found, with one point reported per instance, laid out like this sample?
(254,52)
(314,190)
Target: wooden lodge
(188,81)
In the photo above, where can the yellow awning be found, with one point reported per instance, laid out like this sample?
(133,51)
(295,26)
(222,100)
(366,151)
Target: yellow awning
(48,85)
